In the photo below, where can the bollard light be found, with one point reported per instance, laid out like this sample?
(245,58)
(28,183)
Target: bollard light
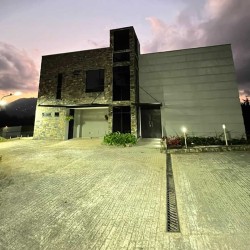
(184,130)
(225,134)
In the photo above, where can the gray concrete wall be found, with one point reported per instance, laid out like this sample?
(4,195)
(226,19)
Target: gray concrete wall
(197,89)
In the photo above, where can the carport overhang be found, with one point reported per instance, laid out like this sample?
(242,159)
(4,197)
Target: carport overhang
(94,105)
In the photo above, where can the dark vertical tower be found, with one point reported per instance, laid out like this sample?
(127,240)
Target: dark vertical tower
(125,88)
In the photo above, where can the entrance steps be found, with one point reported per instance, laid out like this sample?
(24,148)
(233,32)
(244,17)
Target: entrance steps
(149,143)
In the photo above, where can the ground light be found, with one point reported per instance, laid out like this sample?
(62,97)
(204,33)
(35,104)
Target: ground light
(225,134)
(184,130)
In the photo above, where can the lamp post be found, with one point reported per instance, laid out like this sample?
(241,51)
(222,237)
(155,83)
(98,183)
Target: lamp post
(225,134)
(184,130)
(3,103)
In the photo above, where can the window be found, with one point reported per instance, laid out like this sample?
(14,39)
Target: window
(59,86)
(121,83)
(95,80)
(121,119)
(46,114)
(121,40)
(57,114)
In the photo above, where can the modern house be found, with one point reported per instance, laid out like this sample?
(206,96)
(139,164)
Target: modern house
(149,95)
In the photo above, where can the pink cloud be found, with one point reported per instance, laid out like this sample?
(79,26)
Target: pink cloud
(215,22)
(17,70)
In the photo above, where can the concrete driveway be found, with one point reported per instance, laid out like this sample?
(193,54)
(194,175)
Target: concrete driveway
(79,194)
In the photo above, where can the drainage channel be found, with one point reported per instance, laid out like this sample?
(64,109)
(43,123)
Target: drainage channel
(172,213)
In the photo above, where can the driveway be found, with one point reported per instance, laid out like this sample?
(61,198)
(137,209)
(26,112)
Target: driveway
(80,194)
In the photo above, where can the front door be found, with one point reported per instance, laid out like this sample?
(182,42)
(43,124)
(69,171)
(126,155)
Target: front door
(151,122)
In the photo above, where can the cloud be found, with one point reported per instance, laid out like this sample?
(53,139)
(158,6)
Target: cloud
(97,45)
(214,22)
(17,70)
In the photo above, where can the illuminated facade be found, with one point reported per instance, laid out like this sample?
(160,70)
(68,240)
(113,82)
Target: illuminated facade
(150,95)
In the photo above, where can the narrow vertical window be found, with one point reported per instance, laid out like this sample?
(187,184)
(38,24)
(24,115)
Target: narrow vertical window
(59,86)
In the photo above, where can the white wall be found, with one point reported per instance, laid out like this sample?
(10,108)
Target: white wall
(197,89)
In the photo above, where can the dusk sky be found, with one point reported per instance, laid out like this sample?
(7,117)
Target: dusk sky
(32,28)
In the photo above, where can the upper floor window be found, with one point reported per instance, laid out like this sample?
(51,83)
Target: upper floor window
(95,80)
(121,40)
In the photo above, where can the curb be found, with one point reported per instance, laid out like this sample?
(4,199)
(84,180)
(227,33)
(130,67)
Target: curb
(209,149)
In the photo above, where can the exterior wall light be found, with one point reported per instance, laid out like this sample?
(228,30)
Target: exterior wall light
(184,130)
(225,134)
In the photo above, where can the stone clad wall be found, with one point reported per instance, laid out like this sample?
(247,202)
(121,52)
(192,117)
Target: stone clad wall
(134,97)
(73,66)
(50,127)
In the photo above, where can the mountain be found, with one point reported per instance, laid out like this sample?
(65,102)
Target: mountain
(22,107)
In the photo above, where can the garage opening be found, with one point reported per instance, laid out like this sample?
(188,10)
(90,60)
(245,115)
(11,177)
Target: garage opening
(90,122)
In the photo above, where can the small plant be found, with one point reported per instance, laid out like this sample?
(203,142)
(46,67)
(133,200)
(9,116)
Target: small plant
(174,141)
(120,139)
(69,118)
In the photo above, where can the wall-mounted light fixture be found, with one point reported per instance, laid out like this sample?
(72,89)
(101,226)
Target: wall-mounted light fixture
(3,103)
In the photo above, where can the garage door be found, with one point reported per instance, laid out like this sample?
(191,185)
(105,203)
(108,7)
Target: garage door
(90,122)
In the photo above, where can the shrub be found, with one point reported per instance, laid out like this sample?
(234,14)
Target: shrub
(203,141)
(69,118)
(2,139)
(118,139)
(174,141)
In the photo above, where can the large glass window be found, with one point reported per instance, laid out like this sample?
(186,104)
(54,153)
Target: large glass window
(95,80)
(121,83)
(121,119)
(121,40)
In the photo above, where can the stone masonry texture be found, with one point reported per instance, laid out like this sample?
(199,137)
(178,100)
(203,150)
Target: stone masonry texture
(73,67)
(80,194)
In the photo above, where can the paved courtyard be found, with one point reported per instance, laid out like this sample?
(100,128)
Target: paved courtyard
(79,194)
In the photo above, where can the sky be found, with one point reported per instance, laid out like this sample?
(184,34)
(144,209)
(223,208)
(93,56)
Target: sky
(30,29)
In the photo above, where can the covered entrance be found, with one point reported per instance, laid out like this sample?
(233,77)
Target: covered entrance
(151,122)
